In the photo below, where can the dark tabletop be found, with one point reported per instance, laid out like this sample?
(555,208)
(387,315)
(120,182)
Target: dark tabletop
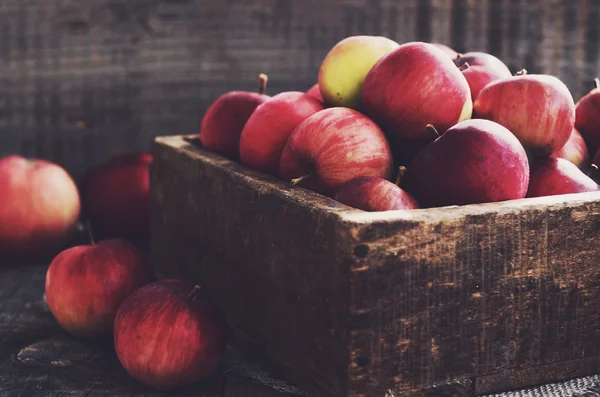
(37,358)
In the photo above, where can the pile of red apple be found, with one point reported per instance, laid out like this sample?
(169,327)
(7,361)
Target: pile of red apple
(166,333)
(416,125)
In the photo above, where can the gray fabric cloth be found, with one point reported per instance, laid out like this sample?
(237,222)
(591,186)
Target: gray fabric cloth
(581,387)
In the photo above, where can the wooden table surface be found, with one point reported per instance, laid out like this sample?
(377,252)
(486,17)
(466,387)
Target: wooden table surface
(37,358)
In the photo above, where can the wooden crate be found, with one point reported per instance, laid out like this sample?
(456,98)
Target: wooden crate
(455,301)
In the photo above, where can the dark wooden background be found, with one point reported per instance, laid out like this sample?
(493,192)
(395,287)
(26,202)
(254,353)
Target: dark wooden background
(81,79)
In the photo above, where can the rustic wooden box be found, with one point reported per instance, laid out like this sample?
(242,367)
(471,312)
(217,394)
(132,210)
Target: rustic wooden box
(455,301)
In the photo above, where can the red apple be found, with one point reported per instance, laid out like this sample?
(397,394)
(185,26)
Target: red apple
(450,52)
(225,118)
(168,336)
(575,150)
(476,161)
(374,194)
(482,69)
(538,109)
(39,207)
(411,87)
(587,119)
(85,285)
(116,197)
(333,146)
(554,176)
(268,128)
(315,92)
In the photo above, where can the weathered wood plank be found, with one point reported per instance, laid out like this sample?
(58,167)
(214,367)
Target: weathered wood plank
(450,301)
(82,80)
(508,292)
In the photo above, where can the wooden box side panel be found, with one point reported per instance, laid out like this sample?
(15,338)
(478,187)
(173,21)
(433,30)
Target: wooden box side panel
(480,295)
(270,257)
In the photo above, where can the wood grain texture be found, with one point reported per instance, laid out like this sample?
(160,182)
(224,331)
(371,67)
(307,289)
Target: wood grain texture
(471,292)
(453,301)
(85,79)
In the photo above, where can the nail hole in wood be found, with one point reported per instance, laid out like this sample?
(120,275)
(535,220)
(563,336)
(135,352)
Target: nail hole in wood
(362,361)
(361,251)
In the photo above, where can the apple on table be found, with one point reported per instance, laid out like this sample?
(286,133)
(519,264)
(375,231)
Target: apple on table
(116,197)
(86,284)
(39,207)
(168,335)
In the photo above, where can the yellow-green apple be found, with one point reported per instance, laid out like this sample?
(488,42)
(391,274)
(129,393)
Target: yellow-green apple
(268,128)
(369,193)
(343,70)
(86,284)
(413,86)
(168,335)
(447,50)
(333,146)
(476,161)
(554,176)
(39,207)
(538,109)
(116,197)
(315,92)
(225,118)
(575,150)
(483,69)
(587,119)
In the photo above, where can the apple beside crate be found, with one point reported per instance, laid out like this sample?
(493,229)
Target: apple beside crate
(455,301)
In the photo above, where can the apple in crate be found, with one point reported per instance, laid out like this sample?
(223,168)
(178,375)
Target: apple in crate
(225,118)
(116,197)
(85,285)
(268,128)
(575,150)
(476,161)
(538,109)
(315,92)
(482,69)
(449,51)
(168,335)
(39,207)
(333,146)
(369,193)
(553,176)
(587,119)
(413,86)
(345,67)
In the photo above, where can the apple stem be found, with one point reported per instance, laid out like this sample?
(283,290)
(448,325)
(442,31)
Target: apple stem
(300,179)
(88,227)
(263,79)
(194,292)
(521,72)
(432,129)
(401,172)
(597,82)
(464,66)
